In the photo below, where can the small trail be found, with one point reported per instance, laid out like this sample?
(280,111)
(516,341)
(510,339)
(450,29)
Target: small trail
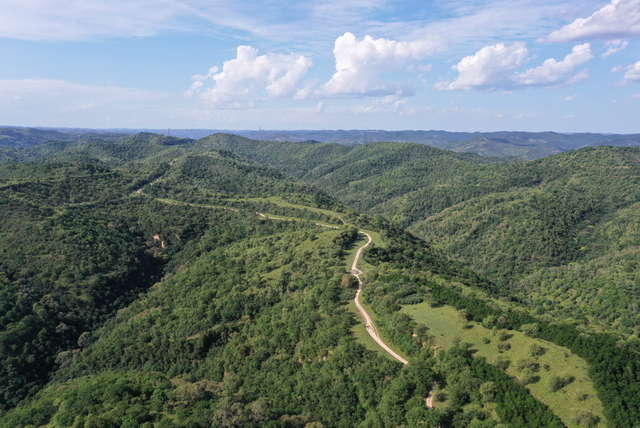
(368,322)
(429,400)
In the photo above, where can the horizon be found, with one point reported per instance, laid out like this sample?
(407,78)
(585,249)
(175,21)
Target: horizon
(73,129)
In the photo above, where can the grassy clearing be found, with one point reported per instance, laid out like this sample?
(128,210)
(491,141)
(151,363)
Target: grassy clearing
(278,201)
(580,395)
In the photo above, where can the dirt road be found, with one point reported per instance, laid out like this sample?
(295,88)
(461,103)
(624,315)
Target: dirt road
(371,328)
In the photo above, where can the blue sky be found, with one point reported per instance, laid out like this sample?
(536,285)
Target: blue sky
(542,65)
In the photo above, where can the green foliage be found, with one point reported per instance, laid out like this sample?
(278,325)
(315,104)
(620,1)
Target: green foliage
(179,305)
(556,383)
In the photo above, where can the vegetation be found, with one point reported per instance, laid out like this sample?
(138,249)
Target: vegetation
(166,282)
(529,369)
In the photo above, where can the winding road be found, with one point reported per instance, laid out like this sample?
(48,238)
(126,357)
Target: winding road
(368,322)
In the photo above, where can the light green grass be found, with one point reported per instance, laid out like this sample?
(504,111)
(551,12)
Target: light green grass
(444,324)
(362,335)
(278,201)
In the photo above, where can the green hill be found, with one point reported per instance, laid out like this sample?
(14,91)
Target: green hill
(525,225)
(164,282)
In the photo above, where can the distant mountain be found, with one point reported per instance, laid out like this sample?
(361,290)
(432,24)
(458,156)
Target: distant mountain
(17,137)
(525,145)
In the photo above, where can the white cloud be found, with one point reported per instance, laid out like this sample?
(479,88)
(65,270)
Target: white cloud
(193,89)
(635,96)
(422,68)
(307,89)
(570,98)
(491,67)
(243,79)
(199,78)
(389,104)
(620,19)
(553,72)
(569,116)
(633,72)
(79,20)
(321,108)
(360,62)
(614,46)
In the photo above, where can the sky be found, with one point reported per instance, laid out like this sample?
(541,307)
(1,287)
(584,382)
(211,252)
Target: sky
(484,65)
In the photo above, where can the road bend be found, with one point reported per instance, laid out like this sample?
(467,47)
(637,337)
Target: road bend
(368,322)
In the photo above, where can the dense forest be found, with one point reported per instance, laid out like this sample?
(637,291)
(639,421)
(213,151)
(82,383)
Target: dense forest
(156,281)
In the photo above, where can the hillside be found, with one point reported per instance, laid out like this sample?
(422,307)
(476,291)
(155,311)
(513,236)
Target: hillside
(532,227)
(166,282)
(525,225)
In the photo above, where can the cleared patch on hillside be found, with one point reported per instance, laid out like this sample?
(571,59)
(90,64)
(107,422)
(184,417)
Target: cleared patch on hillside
(578,396)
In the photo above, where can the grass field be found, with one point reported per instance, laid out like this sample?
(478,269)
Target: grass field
(580,395)
(278,201)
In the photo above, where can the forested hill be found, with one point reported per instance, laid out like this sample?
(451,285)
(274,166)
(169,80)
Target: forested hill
(19,138)
(166,282)
(155,292)
(549,232)
(558,233)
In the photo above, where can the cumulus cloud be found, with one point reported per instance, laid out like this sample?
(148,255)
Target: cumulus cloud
(359,64)
(321,107)
(618,20)
(243,79)
(493,67)
(614,46)
(553,72)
